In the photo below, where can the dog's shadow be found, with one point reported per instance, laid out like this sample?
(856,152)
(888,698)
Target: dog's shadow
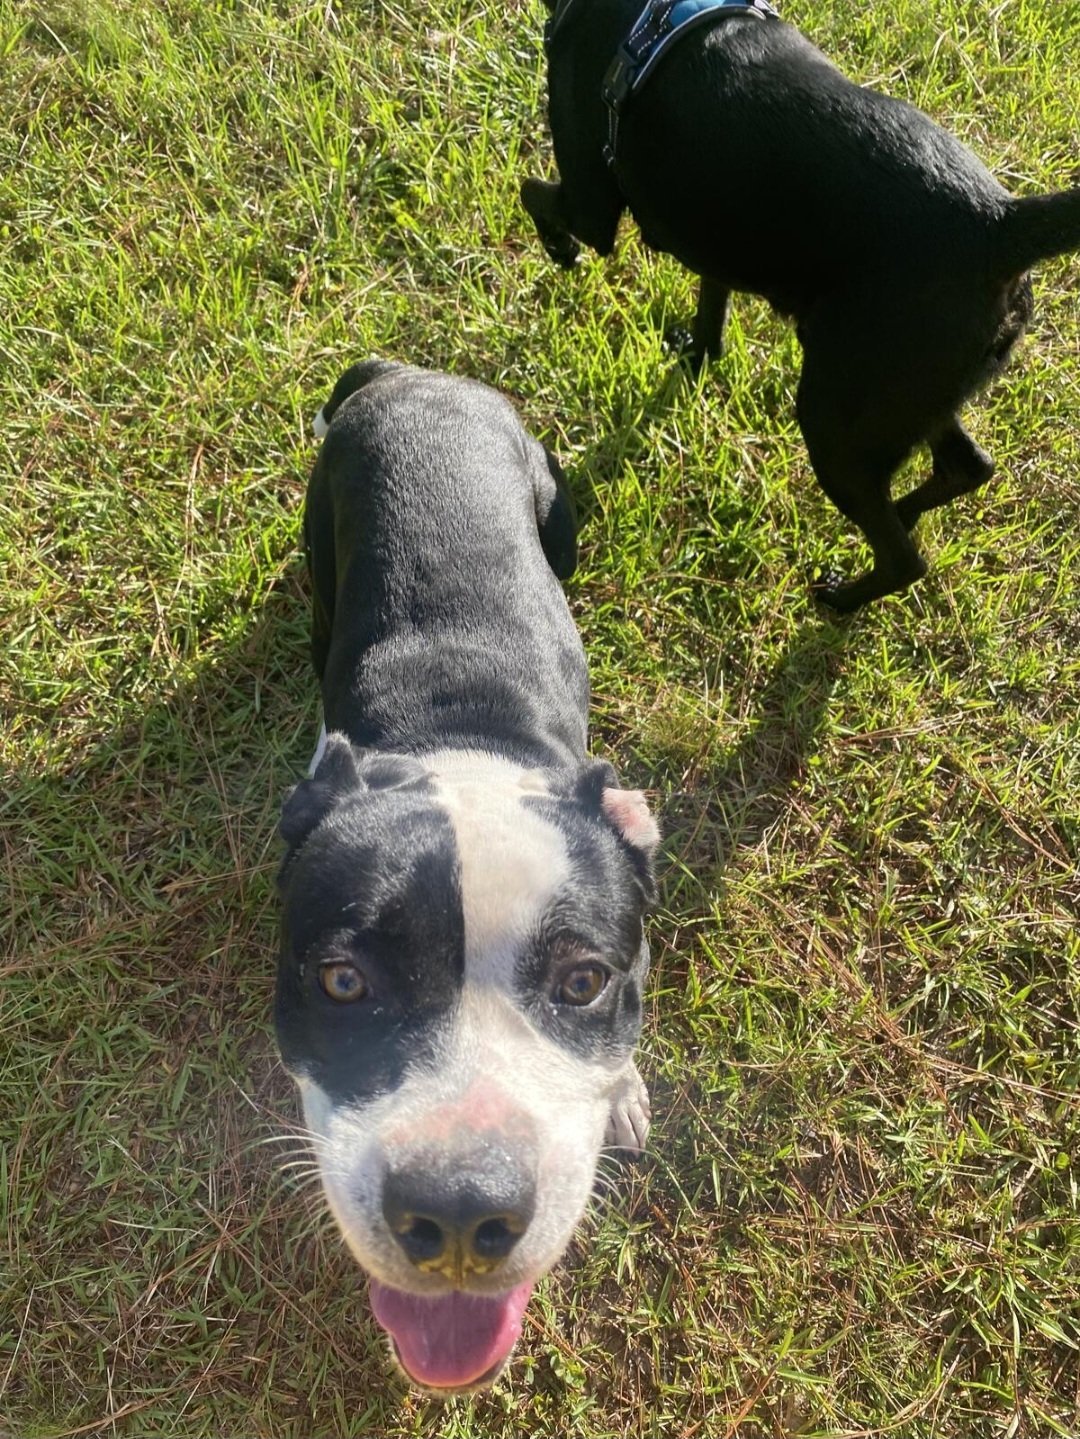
(629,437)
(717,809)
(138,958)
(740,794)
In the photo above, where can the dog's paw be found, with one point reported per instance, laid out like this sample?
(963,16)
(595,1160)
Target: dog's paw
(847,597)
(839,595)
(630,1115)
(679,339)
(564,250)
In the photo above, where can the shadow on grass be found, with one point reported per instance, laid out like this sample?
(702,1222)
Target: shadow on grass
(746,790)
(150,1220)
(719,800)
(158,1241)
(627,441)
(162,1256)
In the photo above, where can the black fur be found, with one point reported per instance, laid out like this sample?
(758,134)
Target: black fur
(755,162)
(421,527)
(436,530)
(400,922)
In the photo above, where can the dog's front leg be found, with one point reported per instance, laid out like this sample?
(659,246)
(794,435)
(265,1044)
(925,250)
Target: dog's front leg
(709,322)
(630,1115)
(546,204)
(705,339)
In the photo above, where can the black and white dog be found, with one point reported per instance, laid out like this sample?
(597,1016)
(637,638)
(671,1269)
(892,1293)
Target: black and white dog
(462,952)
(742,151)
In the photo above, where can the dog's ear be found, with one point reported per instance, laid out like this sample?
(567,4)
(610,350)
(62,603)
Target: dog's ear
(627,812)
(354,378)
(308,803)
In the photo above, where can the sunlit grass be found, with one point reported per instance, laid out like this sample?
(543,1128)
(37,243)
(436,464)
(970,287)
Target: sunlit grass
(859,1215)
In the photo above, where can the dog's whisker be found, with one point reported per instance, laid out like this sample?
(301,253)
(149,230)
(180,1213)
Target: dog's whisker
(292,1132)
(297,1169)
(289,1136)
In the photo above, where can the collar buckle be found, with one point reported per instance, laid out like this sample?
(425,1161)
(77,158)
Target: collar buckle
(618,80)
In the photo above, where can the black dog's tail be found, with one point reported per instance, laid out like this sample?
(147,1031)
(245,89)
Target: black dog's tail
(1038,228)
(354,378)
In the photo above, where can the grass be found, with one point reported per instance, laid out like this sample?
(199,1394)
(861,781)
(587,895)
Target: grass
(859,1216)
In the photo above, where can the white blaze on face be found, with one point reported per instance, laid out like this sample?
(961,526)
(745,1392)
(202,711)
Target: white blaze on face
(513,862)
(494,1071)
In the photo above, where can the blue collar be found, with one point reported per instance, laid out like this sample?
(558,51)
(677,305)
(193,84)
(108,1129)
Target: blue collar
(680,13)
(659,25)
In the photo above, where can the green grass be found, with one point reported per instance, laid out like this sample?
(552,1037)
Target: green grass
(860,1212)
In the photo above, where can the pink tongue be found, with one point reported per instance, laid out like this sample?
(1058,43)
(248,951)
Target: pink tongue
(453,1340)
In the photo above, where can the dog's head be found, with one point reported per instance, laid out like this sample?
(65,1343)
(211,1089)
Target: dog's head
(459,994)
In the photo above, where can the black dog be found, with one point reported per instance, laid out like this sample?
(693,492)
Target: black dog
(462,955)
(757,164)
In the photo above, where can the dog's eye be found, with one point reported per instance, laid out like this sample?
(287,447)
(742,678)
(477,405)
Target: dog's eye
(343,982)
(581,986)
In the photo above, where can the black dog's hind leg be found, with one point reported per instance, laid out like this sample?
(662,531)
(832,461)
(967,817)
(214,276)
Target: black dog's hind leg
(546,205)
(960,466)
(864,499)
(705,340)
(855,471)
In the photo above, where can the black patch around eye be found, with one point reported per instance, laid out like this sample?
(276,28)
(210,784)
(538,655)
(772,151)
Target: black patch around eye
(605,1026)
(382,890)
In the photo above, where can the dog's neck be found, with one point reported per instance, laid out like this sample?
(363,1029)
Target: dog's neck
(661,12)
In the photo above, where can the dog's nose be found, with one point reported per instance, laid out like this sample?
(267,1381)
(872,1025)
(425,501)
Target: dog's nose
(459,1215)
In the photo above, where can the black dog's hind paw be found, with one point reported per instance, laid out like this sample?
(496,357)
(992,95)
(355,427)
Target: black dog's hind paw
(850,595)
(841,596)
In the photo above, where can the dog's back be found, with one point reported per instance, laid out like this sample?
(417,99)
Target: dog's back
(807,182)
(435,525)
(750,157)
